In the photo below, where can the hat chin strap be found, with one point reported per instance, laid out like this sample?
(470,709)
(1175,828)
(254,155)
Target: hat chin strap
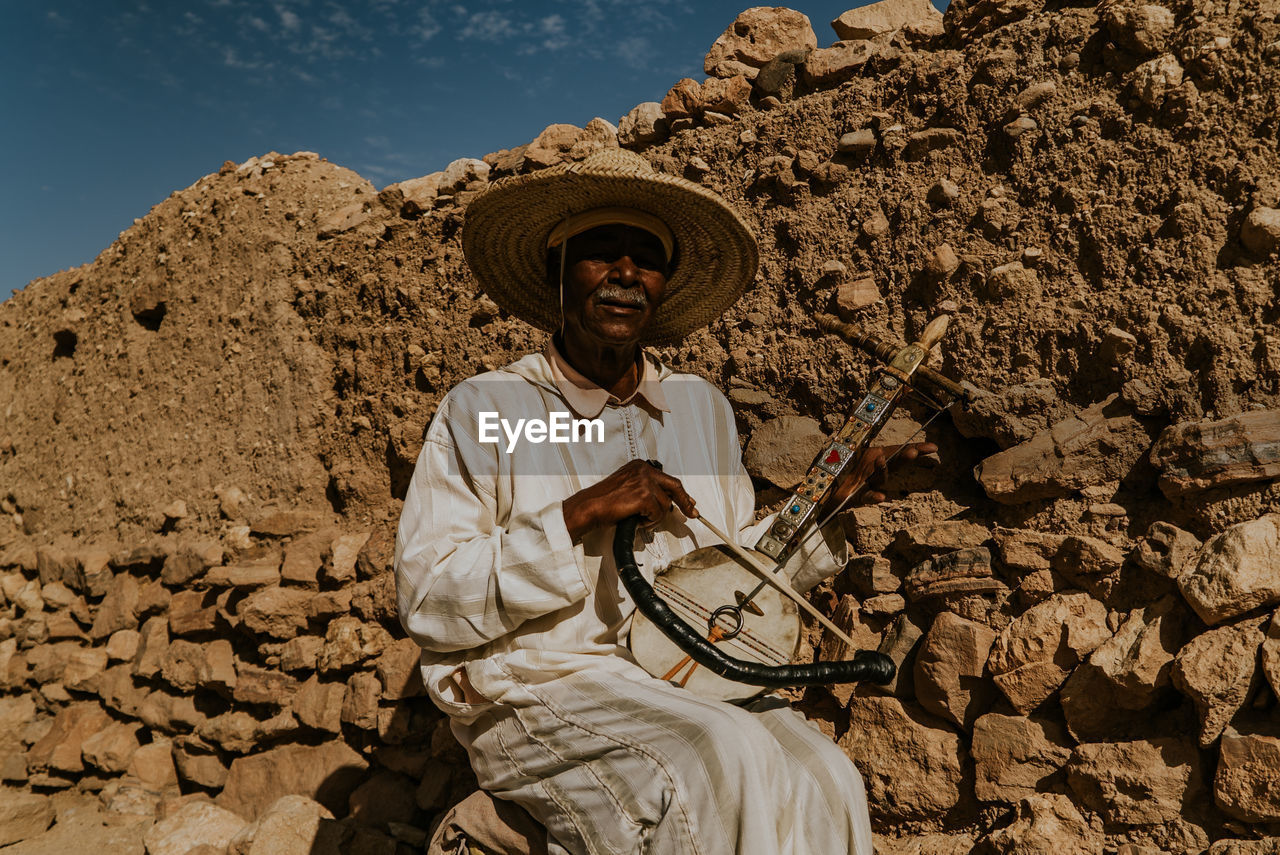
(564,247)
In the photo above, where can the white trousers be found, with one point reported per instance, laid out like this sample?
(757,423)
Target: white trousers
(614,765)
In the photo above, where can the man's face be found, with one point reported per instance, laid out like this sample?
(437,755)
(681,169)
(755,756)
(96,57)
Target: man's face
(615,279)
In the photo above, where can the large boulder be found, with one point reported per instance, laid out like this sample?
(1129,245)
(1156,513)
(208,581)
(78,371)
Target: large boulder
(876,19)
(1217,671)
(1247,784)
(1235,572)
(1099,445)
(1240,449)
(1047,824)
(327,773)
(1112,691)
(756,36)
(1136,783)
(912,763)
(195,824)
(950,667)
(1033,655)
(1014,756)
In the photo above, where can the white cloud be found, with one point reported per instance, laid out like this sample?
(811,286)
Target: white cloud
(489,26)
(426,27)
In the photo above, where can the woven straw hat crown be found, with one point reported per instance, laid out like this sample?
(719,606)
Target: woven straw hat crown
(505,236)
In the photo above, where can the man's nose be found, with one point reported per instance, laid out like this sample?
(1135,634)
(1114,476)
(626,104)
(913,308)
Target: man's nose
(626,271)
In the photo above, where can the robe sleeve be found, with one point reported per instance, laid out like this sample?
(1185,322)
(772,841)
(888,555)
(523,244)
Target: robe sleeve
(463,578)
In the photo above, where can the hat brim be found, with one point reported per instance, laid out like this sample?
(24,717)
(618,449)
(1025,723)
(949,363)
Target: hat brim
(506,228)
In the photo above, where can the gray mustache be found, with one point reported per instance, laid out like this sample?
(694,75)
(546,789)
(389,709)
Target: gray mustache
(630,296)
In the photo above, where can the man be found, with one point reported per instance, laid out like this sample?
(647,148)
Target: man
(503,558)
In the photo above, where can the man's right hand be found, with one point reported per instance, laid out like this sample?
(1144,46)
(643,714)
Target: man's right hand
(635,488)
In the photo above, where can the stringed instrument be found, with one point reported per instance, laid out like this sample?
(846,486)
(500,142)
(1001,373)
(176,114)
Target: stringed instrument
(721,620)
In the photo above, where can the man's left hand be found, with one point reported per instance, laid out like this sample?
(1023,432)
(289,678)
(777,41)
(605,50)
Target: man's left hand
(872,469)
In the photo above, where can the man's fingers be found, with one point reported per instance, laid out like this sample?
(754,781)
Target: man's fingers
(678,494)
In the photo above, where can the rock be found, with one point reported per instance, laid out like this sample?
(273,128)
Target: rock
(1241,449)
(286,523)
(1140,28)
(399,670)
(1165,550)
(920,143)
(781,449)
(1217,671)
(876,225)
(83,668)
(319,705)
(1026,549)
(301,653)
(825,68)
(1235,571)
(1014,756)
(874,19)
(1112,692)
(643,125)
(777,77)
(1090,563)
(1013,415)
(1269,660)
(360,700)
(1083,450)
(193,612)
(959,573)
(193,825)
(854,295)
(911,763)
(61,748)
(941,262)
(153,647)
(189,562)
(152,766)
(304,558)
(1247,783)
(859,143)
(291,825)
(23,816)
(195,762)
(1154,79)
(689,99)
(348,642)
(385,798)
(462,174)
(251,573)
(344,550)
(756,36)
(1260,231)
(729,96)
(1013,130)
(928,539)
(418,194)
(1033,655)
(183,663)
(949,669)
(1136,783)
(240,732)
(327,773)
(943,193)
(276,612)
(872,575)
(1012,281)
(1268,846)
(1117,345)
(900,642)
(118,609)
(1047,824)
(254,685)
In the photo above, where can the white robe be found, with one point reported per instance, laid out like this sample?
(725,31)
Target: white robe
(523,631)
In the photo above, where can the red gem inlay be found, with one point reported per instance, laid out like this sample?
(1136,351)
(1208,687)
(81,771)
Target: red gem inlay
(833,457)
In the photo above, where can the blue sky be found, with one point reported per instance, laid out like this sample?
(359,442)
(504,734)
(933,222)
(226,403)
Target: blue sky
(110,105)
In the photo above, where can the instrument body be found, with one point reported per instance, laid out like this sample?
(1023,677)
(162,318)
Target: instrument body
(706,608)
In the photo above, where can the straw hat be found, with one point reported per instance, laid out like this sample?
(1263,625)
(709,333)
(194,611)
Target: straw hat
(507,227)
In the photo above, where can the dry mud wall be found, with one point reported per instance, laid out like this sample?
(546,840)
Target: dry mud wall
(208,430)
